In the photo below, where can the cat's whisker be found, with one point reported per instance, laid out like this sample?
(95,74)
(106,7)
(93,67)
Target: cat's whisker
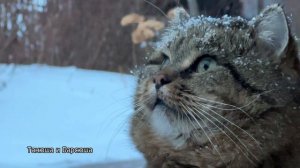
(256,98)
(246,105)
(156,7)
(209,129)
(240,141)
(219,108)
(114,136)
(235,107)
(121,125)
(187,115)
(141,107)
(230,122)
(197,98)
(204,124)
(237,145)
(143,101)
(184,127)
(224,109)
(194,106)
(209,139)
(116,114)
(191,122)
(211,101)
(207,105)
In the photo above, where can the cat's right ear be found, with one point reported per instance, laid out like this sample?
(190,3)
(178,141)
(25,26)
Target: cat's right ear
(179,15)
(272,31)
(273,35)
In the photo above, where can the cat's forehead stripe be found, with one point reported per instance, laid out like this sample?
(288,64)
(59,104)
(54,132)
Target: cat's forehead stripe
(177,28)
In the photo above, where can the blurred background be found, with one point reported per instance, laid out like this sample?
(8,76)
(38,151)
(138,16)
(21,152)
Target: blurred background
(88,34)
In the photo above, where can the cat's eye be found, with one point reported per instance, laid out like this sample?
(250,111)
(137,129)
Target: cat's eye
(206,64)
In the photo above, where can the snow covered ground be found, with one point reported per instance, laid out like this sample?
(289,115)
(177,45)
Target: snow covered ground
(46,106)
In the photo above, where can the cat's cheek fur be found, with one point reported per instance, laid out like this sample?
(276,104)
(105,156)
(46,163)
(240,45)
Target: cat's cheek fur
(147,94)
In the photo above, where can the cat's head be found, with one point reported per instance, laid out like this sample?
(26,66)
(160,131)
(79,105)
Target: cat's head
(206,66)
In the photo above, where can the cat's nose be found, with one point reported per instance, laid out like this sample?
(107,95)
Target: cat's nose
(160,79)
(164,77)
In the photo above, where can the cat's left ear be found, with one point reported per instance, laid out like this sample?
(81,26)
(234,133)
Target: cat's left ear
(272,30)
(179,15)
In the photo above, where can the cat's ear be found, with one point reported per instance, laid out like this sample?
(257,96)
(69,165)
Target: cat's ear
(179,15)
(272,30)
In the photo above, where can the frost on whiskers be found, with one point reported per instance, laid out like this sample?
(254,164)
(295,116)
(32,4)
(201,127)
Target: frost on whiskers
(179,26)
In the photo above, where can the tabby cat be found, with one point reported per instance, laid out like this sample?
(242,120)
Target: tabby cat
(220,92)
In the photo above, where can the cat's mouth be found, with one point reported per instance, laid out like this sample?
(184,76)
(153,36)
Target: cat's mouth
(160,103)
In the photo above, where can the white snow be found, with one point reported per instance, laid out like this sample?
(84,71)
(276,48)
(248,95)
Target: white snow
(46,106)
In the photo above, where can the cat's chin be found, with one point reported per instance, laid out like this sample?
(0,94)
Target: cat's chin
(161,107)
(159,104)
